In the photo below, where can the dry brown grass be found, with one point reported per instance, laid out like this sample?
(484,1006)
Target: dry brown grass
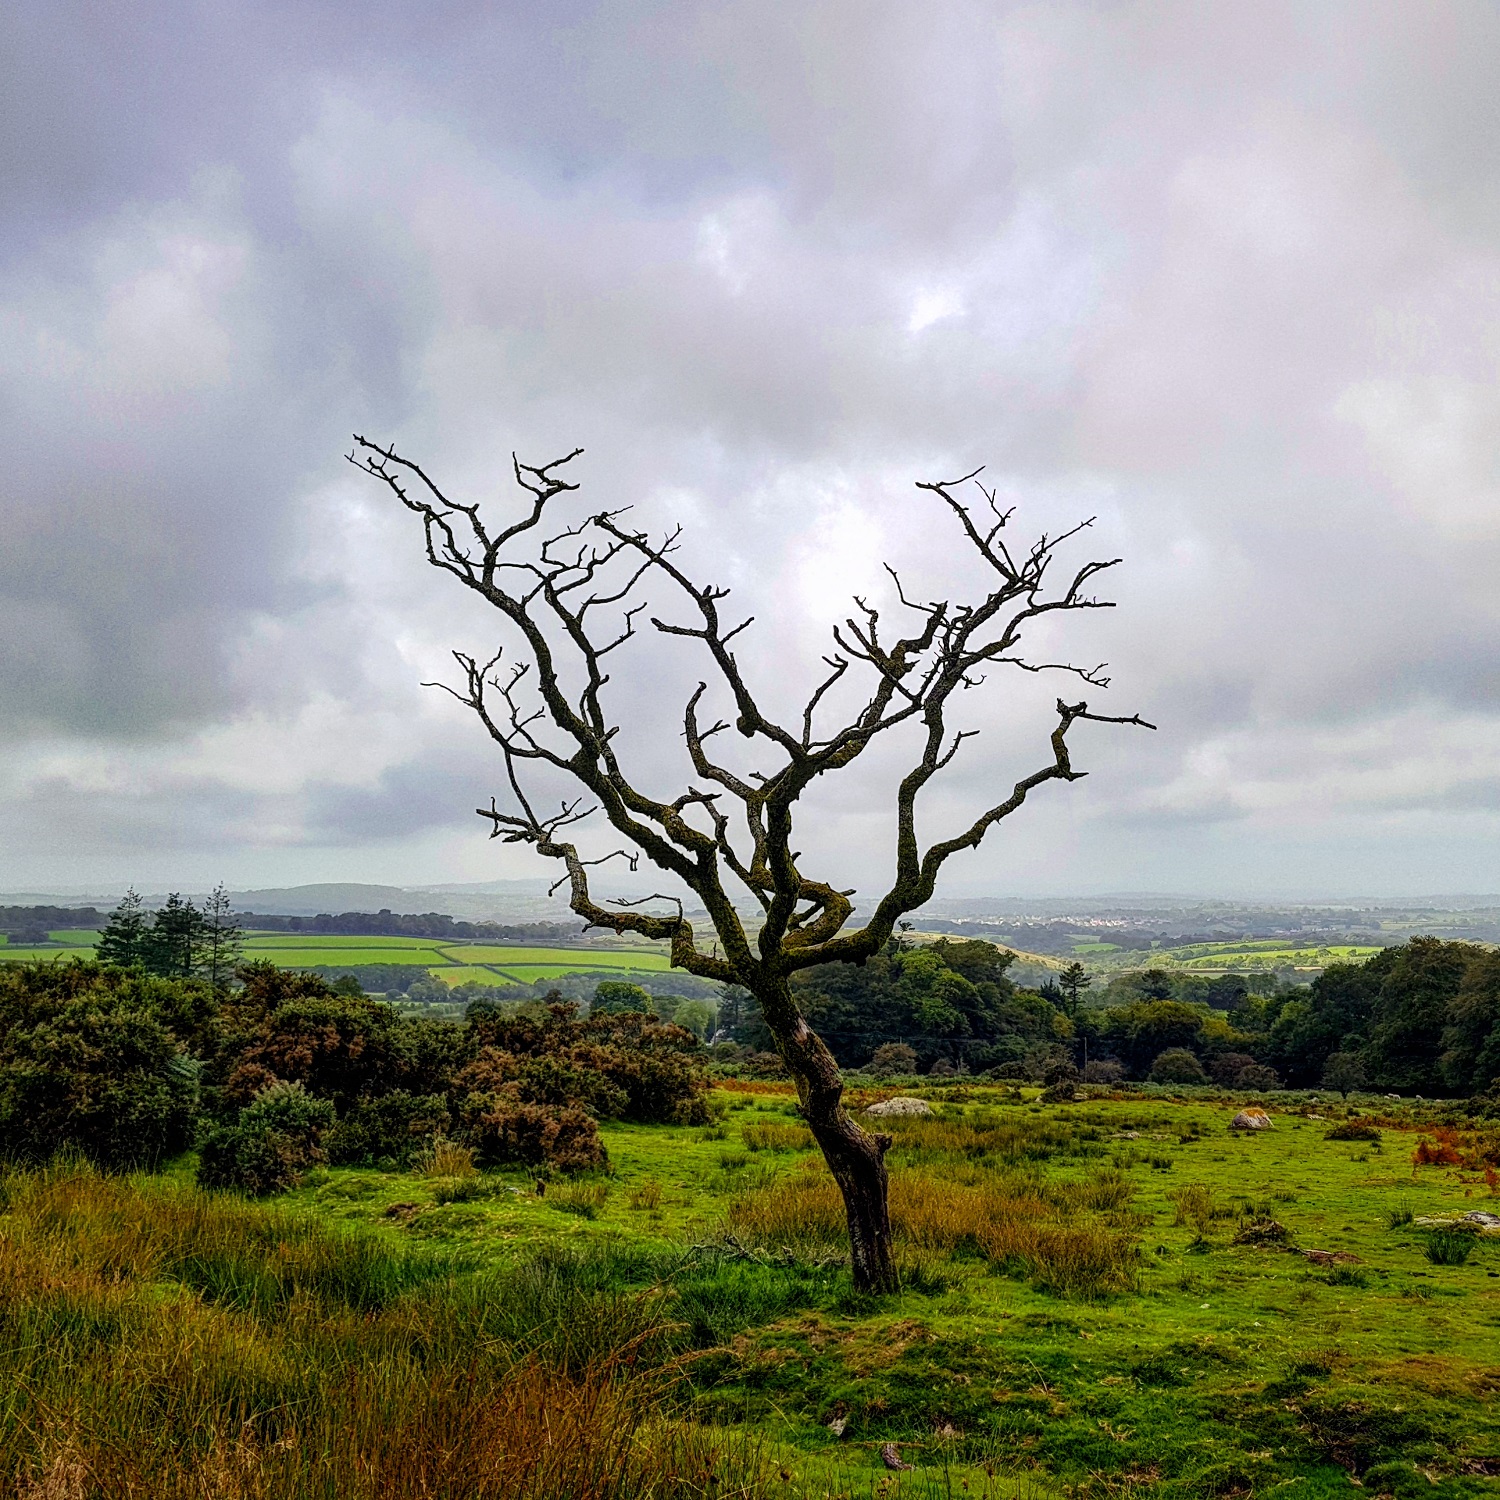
(1018,1230)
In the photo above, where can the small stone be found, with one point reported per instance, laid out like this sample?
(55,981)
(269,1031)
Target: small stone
(890,1456)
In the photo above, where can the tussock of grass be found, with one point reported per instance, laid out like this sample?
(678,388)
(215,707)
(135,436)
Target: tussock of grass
(767,1135)
(1448,1247)
(447,1158)
(647,1197)
(582,1198)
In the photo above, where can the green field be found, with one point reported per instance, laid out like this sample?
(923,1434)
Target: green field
(571,958)
(1264,956)
(454,963)
(470,974)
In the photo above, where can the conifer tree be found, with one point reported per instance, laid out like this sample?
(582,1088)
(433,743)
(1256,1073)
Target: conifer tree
(1073,981)
(222,939)
(122,944)
(174,942)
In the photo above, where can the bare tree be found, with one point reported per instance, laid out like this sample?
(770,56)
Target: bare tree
(573,594)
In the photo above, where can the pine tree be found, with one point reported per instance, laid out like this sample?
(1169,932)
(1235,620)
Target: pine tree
(174,943)
(221,939)
(124,939)
(1073,981)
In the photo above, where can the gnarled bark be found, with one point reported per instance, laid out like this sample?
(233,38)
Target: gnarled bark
(573,596)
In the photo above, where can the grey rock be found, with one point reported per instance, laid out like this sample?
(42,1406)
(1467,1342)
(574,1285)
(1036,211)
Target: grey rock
(903,1105)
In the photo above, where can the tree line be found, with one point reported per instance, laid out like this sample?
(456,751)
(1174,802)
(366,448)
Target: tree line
(1420,1017)
(432,924)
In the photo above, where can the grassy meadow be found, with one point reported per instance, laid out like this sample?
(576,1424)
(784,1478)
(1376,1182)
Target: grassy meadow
(1101,1298)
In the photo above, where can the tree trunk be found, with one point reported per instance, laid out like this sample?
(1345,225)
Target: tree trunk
(857,1161)
(854,1156)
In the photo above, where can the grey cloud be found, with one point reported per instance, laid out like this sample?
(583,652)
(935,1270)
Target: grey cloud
(1225,276)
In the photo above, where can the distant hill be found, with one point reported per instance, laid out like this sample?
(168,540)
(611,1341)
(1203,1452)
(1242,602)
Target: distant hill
(496,900)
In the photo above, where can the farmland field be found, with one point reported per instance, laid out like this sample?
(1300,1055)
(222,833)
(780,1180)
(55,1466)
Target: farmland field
(1264,956)
(455,963)
(1112,1298)
(573,958)
(470,974)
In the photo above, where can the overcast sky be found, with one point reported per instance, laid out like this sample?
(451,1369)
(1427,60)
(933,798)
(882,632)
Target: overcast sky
(1225,276)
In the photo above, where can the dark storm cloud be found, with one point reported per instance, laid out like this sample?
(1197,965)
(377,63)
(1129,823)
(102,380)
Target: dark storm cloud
(1225,276)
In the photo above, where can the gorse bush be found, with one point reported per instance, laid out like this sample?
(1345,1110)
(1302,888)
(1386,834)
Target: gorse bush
(271,1144)
(540,1078)
(125,1069)
(94,1061)
(392,1129)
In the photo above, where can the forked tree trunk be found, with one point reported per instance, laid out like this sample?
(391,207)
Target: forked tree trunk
(856,1157)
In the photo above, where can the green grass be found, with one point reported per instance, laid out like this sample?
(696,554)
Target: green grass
(1202,1355)
(82,937)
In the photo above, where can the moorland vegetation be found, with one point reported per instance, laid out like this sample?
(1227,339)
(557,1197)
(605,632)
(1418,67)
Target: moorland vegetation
(536,1253)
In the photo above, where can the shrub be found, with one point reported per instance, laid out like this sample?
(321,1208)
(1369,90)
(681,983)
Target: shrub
(1257,1076)
(89,1061)
(270,1145)
(294,1027)
(1227,1067)
(892,1059)
(505,1130)
(1177,1065)
(1353,1130)
(1443,1152)
(619,1065)
(394,1128)
(1106,1070)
